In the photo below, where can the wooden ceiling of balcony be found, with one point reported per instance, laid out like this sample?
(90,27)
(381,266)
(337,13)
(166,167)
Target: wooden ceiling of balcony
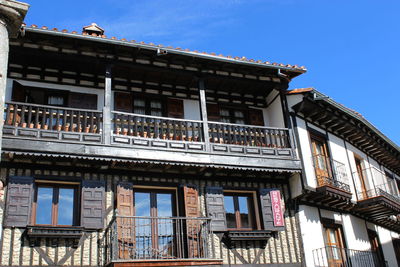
(81,62)
(350,129)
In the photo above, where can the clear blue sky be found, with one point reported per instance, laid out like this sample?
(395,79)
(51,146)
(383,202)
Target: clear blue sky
(351,48)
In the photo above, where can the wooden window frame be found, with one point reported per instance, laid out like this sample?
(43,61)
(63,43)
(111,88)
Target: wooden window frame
(147,100)
(56,185)
(253,211)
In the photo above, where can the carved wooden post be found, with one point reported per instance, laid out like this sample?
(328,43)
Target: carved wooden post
(203,112)
(107,117)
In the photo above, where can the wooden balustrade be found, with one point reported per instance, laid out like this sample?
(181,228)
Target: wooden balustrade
(157,127)
(247,135)
(52,118)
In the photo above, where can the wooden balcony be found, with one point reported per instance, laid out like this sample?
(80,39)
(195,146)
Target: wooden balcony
(64,130)
(159,241)
(333,189)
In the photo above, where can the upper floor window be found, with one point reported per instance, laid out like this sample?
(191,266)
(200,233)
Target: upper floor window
(239,208)
(320,159)
(56,204)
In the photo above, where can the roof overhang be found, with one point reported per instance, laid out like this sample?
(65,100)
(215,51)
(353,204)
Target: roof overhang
(352,127)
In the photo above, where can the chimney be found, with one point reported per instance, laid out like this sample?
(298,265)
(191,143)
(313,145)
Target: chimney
(93,30)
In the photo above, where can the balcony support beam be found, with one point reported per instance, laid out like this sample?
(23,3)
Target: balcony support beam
(203,112)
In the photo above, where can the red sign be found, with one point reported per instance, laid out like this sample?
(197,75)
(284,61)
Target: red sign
(277,208)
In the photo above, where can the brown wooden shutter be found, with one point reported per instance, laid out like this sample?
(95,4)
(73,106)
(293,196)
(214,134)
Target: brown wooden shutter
(125,226)
(213,112)
(93,197)
(193,227)
(266,209)
(123,102)
(175,108)
(256,117)
(85,101)
(216,208)
(19,201)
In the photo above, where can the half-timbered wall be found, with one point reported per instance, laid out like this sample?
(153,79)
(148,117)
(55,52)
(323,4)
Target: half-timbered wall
(282,248)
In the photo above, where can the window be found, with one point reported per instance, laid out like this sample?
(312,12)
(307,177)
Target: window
(232,115)
(240,210)
(321,159)
(334,245)
(56,205)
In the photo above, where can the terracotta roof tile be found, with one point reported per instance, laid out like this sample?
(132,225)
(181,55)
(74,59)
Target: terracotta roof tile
(299,90)
(294,67)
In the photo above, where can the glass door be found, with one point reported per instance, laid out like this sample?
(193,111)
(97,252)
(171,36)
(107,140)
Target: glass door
(154,225)
(335,249)
(362,179)
(321,160)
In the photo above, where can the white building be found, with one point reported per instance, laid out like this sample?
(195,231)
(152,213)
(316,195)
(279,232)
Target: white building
(348,194)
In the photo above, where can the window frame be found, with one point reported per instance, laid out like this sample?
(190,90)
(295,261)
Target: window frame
(57,185)
(254,213)
(154,190)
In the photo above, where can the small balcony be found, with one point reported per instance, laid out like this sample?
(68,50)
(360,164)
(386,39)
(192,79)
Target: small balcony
(377,202)
(331,256)
(159,240)
(332,188)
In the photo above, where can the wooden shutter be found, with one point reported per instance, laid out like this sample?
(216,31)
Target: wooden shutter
(85,101)
(267,213)
(125,226)
(213,112)
(123,102)
(175,108)
(193,227)
(19,201)
(256,117)
(93,197)
(216,208)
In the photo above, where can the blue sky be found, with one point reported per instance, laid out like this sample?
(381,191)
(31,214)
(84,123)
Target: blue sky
(351,48)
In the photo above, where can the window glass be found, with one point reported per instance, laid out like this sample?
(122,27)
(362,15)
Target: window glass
(230,211)
(164,205)
(66,206)
(56,100)
(244,211)
(142,204)
(44,205)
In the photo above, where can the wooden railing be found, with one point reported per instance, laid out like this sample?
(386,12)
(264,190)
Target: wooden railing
(157,127)
(158,238)
(52,118)
(248,135)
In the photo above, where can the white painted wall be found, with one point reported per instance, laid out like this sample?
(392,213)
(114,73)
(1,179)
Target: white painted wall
(385,237)
(311,232)
(274,113)
(355,233)
(191,109)
(309,175)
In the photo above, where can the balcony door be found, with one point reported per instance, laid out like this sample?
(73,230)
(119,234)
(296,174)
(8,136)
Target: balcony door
(334,247)
(362,179)
(154,226)
(321,159)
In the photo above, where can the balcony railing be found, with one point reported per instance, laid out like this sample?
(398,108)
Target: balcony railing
(52,118)
(45,122)
(330,172)
(158,238)
(386,187)
(246,135)
(153,127)
(331,256)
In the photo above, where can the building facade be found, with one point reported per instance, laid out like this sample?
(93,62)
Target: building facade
(348,197)
(122,153)
(118,153)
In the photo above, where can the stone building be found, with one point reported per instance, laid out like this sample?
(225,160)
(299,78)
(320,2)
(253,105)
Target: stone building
(123,153)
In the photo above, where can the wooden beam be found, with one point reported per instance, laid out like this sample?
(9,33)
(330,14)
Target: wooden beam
(107,108)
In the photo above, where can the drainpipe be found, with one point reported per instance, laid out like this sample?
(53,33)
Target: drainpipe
(11,15)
